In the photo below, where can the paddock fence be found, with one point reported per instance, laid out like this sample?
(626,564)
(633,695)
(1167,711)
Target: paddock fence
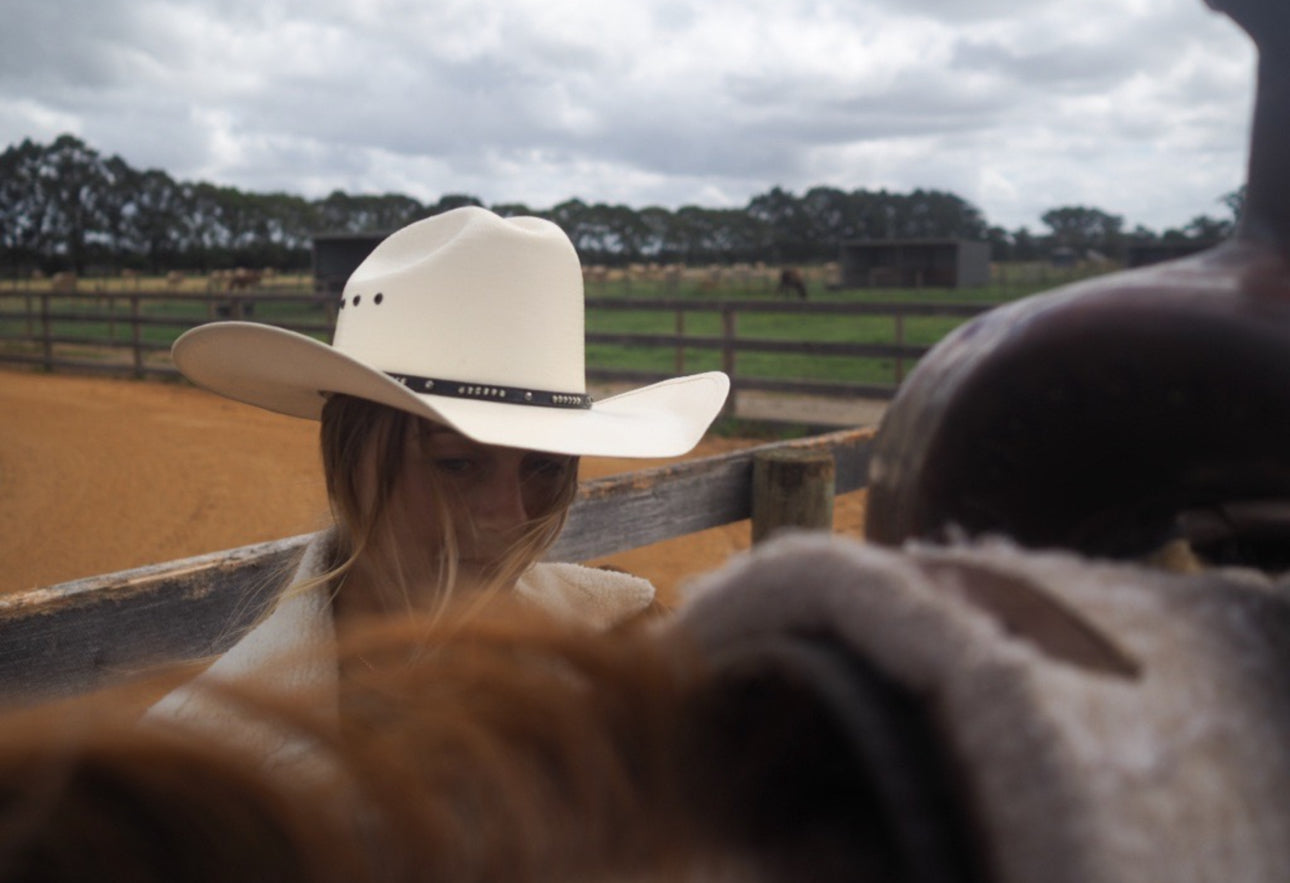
(77,636)
(129,334)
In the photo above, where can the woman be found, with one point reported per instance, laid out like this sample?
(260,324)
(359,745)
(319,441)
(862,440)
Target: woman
(453,407)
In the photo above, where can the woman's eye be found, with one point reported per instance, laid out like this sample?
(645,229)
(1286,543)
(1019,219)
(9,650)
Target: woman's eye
(548,467)
(454,465)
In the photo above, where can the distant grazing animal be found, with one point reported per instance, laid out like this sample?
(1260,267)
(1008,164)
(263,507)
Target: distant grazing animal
(711,279)
(244,279)
(672,276)
(240,279)
(791,281)
(63,283)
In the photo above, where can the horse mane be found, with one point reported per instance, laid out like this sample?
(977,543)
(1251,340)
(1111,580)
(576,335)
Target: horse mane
(86,793)
(507,747)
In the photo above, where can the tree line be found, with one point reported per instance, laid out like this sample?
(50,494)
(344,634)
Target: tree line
(65,206)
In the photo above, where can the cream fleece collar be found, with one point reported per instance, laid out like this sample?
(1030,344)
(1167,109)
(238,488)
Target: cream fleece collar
(283,649)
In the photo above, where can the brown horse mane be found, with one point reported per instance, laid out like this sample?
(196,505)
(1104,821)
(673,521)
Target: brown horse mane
(507,747)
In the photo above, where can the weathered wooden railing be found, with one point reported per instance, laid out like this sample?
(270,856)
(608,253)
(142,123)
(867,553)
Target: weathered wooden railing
(52,331)
(731,343)
(80,635)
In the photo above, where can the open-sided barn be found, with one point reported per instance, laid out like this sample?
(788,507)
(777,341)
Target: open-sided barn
(914,263)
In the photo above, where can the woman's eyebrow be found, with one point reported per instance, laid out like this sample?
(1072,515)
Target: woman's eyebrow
(439,431)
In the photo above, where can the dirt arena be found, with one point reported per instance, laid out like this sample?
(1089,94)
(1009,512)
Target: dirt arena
(99,475)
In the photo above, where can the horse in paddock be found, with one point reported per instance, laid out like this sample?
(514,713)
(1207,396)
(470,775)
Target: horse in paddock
(244,279)
(239,279)
(791,282)
(63,282)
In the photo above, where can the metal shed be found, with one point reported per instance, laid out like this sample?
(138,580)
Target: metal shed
(336,255)
(914,263)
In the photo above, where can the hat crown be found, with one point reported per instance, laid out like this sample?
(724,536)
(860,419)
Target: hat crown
(495,304)
(470,296)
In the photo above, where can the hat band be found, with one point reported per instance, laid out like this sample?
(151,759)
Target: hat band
(510,395)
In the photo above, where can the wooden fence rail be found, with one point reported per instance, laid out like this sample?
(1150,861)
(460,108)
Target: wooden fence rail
(39,328)
(83,634)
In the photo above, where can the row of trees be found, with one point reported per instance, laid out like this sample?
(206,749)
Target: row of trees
(65,206)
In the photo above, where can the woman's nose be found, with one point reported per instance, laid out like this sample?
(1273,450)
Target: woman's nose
(499,501)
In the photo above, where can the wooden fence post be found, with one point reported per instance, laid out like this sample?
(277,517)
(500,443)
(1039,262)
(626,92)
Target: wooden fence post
(46,333)
(792,488)
(680,345)
(135,336)
(729,335)
(900,341)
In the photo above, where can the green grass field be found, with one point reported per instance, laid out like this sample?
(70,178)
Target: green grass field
(104,319)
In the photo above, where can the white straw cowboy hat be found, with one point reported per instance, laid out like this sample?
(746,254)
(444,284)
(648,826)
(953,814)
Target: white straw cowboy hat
(466,319)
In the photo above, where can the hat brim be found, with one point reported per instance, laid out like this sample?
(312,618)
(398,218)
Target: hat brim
(290,373)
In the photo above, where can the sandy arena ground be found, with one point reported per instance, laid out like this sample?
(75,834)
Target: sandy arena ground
(99,475)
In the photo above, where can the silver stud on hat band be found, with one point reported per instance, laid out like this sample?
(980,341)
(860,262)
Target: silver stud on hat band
(507,394)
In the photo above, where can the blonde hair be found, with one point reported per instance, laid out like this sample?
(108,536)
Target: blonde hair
(364,451)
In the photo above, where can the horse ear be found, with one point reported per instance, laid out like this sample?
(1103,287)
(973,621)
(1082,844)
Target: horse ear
(1024,609)
(825,768)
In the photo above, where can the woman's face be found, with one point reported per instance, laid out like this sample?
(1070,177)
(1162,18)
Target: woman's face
(491,493)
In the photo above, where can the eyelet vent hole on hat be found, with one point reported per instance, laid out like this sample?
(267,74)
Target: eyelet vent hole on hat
(379,297)
(357,298)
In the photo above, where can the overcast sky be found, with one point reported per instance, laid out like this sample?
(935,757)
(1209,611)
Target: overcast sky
(1136,107)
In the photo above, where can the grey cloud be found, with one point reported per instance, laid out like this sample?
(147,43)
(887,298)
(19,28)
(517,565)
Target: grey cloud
(959,12)
(479,97)
(1056,69)
(41,43)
